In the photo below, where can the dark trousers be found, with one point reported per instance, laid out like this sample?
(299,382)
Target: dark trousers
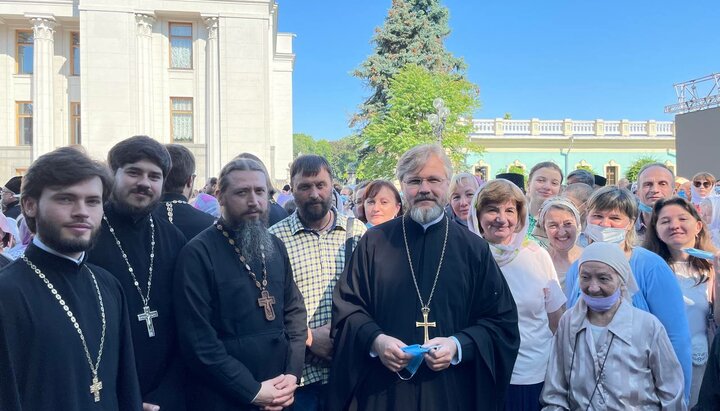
(311,397)
(524,397)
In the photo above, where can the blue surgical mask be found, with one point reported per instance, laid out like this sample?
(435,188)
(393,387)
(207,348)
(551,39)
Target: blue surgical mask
(601,304)
(645,208)
(344,198)
(681,194)
(605,234)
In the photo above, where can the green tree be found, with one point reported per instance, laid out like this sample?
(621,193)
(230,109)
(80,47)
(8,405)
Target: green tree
(413,33)
(306,144)
(404,124)
(586,167)
(341,154)
(634,169)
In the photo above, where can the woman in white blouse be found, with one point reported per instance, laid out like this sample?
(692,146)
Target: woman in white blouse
(607,354)
(561,222)
(499,214)
(676,225)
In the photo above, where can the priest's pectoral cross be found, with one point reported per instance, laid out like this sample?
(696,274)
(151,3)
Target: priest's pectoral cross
(95,388)
(266,301)
(147,316)
(425,324)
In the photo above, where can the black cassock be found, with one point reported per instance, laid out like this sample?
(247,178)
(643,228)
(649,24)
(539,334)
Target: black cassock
(229,346)
(186,218)
(472,302)
(42,361)
(159,365)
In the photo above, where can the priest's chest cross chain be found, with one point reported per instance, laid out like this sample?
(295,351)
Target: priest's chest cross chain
(425,308)
(96,385)
(147,315)
(266,301)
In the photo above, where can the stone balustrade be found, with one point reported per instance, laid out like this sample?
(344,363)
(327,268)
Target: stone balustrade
(484,128)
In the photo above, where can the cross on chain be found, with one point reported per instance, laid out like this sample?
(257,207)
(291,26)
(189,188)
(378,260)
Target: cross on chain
(425,324)
(266,301)
(95,388)
(147,316)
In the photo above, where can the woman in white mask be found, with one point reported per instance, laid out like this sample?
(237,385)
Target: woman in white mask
(607,354)
(499,214)
(611,215)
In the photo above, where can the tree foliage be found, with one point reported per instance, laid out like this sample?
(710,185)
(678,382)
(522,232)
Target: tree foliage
(413,33)
(404,123)
(341,154)
(634,169)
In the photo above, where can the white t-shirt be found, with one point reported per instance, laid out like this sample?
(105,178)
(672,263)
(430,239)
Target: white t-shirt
(534,285)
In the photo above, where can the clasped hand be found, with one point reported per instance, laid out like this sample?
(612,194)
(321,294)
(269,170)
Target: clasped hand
(389,350)
(277,393)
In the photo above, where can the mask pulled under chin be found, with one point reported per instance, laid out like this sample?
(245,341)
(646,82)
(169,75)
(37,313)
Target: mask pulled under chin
(605,234)
(601,304)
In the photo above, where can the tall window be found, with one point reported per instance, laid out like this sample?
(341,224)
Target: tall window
(75,123)
(24,126)
(181,45)
(611,173)
(75,54)
(181,119)
(24,51)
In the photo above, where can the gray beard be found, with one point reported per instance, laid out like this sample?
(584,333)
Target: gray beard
(254,239)
(426,215)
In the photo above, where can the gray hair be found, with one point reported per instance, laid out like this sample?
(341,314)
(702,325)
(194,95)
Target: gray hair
(661,165)
(583,176)
(416,157)
(464,179)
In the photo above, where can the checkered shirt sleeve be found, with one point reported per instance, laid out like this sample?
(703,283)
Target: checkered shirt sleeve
(317,261)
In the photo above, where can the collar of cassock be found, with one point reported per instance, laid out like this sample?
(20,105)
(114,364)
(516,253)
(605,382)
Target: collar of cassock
(113,213)
(46,258)
(173,197)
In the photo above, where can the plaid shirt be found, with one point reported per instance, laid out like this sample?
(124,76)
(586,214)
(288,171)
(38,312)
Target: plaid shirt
(317,260)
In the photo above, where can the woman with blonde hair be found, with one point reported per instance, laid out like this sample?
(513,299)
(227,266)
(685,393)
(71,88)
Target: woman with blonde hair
(500,215)
(703,186)
(675,227)
(561,222)
(462,189)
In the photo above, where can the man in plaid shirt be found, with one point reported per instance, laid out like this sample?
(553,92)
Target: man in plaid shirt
(316,237)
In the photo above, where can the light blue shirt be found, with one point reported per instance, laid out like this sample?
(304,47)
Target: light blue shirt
(659,294)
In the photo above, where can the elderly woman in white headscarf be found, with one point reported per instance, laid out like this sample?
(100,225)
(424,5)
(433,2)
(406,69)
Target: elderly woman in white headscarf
(499,214)
(607,354)
(710,213)
(561,222)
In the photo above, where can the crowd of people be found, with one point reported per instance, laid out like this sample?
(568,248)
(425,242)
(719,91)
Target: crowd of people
(123,287)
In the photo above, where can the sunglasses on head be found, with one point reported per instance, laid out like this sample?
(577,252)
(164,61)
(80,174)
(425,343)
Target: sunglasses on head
(699,184)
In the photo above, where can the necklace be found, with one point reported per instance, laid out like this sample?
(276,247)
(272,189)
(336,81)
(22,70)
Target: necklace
(266,300)
(425,308)
(96,386)
(147,315)
(169,208)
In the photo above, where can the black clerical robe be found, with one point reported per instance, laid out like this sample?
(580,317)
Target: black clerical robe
(13,210)
(186,218)
(159,365)
(276,213)
(709,397)
(228,344)
(472,302)
(4,260)
(42,361)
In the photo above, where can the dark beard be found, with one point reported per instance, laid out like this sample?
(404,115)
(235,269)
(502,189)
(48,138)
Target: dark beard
(52,238)
(253,239)
(123,207)
(307,214)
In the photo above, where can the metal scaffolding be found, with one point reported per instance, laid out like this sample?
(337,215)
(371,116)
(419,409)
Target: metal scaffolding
(698,94)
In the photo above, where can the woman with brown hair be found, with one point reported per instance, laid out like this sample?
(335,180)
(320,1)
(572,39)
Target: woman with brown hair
(381,202)
(675,226)
(703,186)
(544,182)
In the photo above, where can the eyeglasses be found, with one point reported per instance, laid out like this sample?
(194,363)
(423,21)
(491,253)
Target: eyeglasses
(417,182)
(699,184)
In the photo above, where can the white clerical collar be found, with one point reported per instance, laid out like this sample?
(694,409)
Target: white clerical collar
(42,246)
(435,221)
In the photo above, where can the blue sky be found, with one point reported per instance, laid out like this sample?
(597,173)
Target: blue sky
(552,59)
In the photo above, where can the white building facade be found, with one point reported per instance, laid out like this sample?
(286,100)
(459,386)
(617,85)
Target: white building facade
(213,75)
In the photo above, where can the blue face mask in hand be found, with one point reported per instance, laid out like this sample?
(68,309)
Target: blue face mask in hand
(645,208)
(601,304)
(605,234)
(417,352)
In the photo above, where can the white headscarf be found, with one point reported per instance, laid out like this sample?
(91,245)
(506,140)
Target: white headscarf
(559,201)
(695,195)
(502,253)
(613,256)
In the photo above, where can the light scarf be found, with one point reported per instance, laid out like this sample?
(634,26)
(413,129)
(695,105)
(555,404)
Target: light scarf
(503,253)
(714,225)
(695,195)
(613,256)
(559,201)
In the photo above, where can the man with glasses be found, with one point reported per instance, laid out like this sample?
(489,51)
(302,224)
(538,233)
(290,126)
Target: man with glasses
(655,182)
(11,197)
(422,316)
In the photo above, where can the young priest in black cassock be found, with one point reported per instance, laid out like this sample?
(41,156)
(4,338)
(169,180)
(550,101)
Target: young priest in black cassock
(174,206)
(44,364)
(139,165)
(378,309)
(242,321)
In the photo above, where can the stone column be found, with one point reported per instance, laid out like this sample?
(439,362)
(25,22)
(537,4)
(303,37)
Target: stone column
(42,85)
(145,73)
(213,162)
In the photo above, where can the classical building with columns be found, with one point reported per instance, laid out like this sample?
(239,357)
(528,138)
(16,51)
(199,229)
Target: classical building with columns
(606,147)
(213,75)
